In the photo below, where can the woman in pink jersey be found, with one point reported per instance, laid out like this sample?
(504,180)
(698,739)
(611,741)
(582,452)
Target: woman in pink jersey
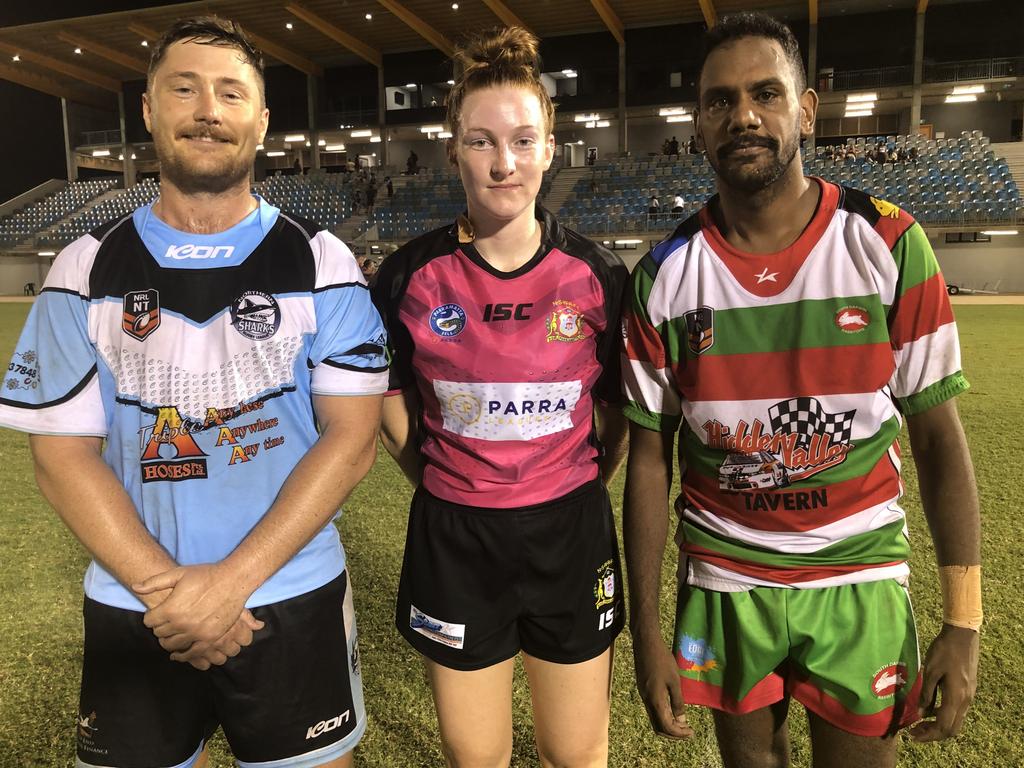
(504,413)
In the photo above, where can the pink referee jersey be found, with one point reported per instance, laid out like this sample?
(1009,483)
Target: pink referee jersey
(507,364)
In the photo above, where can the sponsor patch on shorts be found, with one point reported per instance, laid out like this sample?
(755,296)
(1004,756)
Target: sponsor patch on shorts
(452,635)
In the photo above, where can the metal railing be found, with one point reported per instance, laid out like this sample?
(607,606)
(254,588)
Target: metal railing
(665,222)
(857,79)
(360,118)
(978,69)
(932,72)
(95,138)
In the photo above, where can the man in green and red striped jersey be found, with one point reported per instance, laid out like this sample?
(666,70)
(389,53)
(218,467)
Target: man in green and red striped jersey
(785,331)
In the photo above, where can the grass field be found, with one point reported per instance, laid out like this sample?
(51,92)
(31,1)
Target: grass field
(41,567)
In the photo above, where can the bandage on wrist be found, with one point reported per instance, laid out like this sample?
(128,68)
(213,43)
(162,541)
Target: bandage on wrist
(961,595)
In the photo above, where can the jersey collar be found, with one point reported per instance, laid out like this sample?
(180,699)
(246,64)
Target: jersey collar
(768,274)
(552,236)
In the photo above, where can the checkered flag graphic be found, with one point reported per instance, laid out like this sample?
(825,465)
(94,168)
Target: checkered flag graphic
(804,417)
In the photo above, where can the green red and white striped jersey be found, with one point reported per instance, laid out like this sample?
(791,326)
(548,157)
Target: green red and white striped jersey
(789,373)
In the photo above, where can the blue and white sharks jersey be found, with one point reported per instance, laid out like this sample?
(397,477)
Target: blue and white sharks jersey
(196,358)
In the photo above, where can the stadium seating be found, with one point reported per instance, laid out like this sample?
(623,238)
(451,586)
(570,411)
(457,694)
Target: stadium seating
(952,181)
(112,208)
(42,214)
(424,202)
(325,198)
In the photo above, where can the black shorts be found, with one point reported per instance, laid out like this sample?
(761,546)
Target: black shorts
(295,694)
(478,585)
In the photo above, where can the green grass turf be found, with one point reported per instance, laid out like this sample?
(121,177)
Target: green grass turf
(42,565)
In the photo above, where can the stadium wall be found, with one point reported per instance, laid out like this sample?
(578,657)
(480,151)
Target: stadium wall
(16,271)
(992,118)
(430,154)
(981,265)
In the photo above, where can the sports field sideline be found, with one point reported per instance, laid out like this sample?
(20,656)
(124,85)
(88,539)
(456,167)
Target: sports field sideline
(41,567)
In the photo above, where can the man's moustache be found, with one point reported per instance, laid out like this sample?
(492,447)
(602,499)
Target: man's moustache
(758,141)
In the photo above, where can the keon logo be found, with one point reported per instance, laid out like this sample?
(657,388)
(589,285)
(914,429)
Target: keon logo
(191,251)
(327,725)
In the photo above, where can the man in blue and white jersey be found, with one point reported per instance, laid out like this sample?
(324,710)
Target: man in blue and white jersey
(173,374)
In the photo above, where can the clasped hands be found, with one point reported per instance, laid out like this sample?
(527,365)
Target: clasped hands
(202,619)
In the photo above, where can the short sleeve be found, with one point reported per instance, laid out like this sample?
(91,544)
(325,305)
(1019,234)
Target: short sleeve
(52,382)
(348,354)
(387,292)
(652,398)
(608,388)
(922,329)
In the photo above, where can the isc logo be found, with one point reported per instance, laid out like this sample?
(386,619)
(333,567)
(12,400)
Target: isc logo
(493,312)
(191,251)
(327,725)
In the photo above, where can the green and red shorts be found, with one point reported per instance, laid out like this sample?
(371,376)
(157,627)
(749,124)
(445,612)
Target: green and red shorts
(849,654)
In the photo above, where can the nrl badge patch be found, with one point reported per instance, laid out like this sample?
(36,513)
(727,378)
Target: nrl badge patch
(700,329)
(141,313)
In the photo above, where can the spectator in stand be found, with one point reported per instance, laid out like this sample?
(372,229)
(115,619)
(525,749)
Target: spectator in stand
(591,155)
(412,166)
(673,147)
(368,266)
(912,155)
(677,203)
(894,155)
(691,146)
(389,186)
(357,199)
(851,154)
(371,193)
(654,205)
(666,147)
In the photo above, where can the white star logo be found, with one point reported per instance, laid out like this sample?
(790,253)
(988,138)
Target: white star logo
(766,276)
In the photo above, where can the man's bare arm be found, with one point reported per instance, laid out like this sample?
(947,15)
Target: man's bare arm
(96,508)
(398,430)
(208,598)
(612,431)
(645,524)
(949,496)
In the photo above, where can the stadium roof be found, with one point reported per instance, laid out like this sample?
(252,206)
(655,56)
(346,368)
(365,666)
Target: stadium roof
(86,58)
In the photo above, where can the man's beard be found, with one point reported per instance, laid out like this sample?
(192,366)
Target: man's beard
(207,177)
(752,175)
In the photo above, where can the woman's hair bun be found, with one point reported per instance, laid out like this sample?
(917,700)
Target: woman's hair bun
(505,49)
(498,57)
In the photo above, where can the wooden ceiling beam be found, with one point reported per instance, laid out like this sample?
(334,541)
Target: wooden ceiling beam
(63,68)
(268,46)
(338,35)
(707,7)
(146,32)
(507,15)
(19,75)
(611,20)
(420,27)
(286,55)
(125,60)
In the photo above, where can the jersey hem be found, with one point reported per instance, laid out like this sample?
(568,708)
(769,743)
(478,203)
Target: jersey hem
(268,599)
(653,423)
